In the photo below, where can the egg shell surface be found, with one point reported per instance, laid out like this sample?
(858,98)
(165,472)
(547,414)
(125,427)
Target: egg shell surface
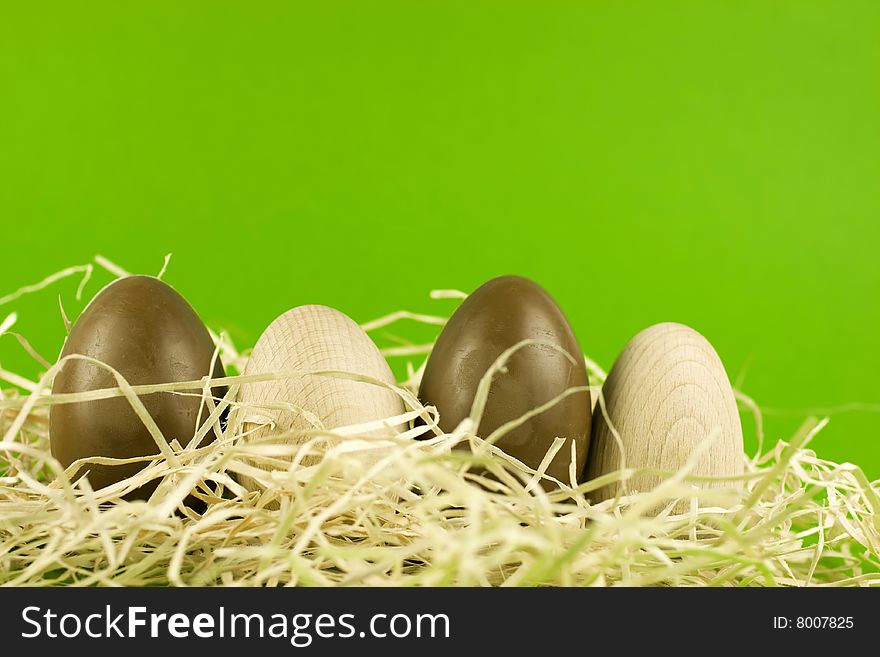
(497,316)
(148,332)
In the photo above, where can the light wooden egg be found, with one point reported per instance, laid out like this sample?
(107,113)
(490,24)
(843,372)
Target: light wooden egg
(666,393)
(308,339)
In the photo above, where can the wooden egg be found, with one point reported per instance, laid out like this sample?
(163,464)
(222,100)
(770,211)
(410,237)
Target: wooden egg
(666,393)
(308,339)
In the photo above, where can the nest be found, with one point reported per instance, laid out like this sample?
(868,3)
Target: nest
(418,513)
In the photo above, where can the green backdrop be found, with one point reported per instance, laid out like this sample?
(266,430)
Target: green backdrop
(714,163)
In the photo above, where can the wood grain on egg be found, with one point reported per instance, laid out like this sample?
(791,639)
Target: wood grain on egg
(308,339)
(666,393)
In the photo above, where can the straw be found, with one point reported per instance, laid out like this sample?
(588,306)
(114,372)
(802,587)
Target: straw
(415,512)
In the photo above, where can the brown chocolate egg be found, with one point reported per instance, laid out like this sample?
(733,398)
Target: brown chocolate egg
(498,315)
(144,329)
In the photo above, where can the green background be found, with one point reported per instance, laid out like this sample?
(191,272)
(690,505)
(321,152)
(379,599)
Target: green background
(714,163)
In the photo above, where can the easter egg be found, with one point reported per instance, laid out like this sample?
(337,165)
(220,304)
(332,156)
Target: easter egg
(666,393)
(312,339)
(498,315)
(145,330)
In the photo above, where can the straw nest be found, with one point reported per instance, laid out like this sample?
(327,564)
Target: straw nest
(417,516)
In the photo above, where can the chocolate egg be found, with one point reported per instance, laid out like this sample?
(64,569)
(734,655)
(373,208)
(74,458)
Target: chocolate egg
(311,339)
(145,330)
(498,315)
(666,393)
